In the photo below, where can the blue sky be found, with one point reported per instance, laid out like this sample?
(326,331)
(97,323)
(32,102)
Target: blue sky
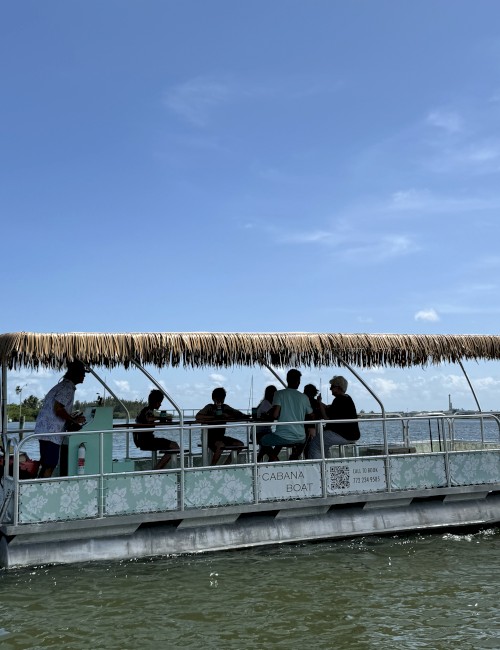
(211,165)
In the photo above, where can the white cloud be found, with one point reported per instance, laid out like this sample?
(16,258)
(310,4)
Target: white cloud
(313,237)
(217,377)
(451,381)
(194,99)
(482,157)
(123,385)
(486,383)
(482,153)
(429,315)
(351,245)
(450,121)
(411,199)
(385,387)
(380,250)
(489,262)
(425,201)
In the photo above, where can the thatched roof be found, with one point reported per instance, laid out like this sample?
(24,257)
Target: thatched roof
(222,349)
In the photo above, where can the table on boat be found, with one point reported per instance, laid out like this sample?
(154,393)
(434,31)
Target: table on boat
(379,450)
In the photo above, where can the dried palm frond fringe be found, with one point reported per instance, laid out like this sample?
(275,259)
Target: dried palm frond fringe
(223,349)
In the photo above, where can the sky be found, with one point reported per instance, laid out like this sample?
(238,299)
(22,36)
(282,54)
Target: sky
(263,166)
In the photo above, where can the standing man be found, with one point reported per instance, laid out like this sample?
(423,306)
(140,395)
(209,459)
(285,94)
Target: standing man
(55,415)
(289,405)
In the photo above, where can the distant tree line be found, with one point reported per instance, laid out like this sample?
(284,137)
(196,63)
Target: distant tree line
(29,409)
(133,406)
(32,405)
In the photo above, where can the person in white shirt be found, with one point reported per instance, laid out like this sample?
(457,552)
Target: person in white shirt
(55,415)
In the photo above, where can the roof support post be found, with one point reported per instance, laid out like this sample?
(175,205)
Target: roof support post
(4,419)
(382,409)
(273,371)
(161,389)
(106,387)
(475,398)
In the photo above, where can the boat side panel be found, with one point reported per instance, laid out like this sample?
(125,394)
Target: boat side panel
(256,530)
(474,467)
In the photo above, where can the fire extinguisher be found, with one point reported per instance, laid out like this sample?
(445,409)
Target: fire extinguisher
(81,458)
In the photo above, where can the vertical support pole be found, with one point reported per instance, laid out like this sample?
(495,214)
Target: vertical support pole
(475,398)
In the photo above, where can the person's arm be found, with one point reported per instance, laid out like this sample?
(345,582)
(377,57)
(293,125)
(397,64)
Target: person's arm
(61,412)
(264,411)
(321,408)
(206,415)
(311,430)
(233,414)
(274,413)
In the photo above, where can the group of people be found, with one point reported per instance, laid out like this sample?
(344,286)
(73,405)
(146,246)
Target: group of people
(288,405)
(291,406)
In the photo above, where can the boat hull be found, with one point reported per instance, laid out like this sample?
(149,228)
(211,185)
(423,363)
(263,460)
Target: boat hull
(243,528)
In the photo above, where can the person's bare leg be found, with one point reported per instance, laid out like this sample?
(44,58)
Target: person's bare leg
(219,446)
(264,451)
(46,472)
(163,461)
(173,449)
(229,458)
(275,453)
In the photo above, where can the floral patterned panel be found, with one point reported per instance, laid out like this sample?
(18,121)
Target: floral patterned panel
(475,467)
(143,493)
(218,487)
(58,500)
(416,471)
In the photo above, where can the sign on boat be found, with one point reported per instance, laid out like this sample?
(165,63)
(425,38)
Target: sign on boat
(114,508)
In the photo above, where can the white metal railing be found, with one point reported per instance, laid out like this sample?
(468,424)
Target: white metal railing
(193,458)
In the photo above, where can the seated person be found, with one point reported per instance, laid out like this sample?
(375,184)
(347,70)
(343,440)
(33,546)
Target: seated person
(288,406)
(319,411)
(263,414)
(219,412)
(337,433)
(146,440)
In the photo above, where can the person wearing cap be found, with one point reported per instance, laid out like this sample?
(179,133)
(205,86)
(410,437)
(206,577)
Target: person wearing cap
(55,416)
(289,405)
(342,408)
(319,411)
(317,405)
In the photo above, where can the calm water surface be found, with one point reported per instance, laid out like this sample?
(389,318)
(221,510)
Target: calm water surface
(433,591)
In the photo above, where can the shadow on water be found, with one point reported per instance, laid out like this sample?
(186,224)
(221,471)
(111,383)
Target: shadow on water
(412,591)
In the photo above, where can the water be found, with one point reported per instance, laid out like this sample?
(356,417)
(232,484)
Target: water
(435,591)
(406,592)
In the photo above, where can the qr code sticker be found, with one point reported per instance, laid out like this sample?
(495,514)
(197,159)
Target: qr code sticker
(339,477)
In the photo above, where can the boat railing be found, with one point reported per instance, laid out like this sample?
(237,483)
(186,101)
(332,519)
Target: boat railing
(192,464)
(443,424)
